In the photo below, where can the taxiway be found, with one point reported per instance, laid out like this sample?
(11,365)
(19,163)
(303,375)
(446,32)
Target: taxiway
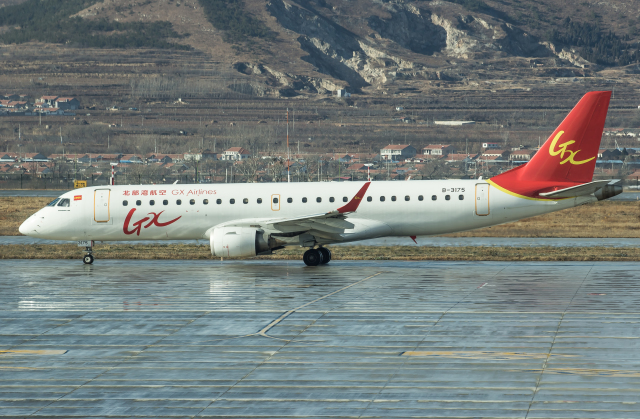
(350,339)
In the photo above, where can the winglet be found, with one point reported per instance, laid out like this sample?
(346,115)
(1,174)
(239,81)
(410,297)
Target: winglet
(355,201)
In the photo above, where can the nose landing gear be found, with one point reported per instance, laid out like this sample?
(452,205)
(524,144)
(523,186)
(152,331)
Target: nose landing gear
(88,248)
(88,259)
(315,257)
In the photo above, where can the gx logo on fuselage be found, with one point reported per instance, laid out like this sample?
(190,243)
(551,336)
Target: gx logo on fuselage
(138,224)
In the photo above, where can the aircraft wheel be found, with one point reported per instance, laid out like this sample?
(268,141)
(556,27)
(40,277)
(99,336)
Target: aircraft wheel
(87,259)
(312,257)
(326,254)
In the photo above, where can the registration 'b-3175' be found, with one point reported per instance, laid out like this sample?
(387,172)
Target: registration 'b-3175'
(243,220)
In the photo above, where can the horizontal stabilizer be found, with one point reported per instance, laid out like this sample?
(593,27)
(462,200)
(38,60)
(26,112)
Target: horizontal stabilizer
(579,190)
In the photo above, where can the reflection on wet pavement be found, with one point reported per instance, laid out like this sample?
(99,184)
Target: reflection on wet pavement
(275,339)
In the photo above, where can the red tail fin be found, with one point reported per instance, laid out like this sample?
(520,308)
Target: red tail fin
(569,155)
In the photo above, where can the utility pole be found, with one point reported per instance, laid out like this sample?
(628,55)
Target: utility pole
(288,153)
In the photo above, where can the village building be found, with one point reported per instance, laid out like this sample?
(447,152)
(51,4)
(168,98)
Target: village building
(67,103)
(235,154)
(522,155)
(398,152)
(438,149)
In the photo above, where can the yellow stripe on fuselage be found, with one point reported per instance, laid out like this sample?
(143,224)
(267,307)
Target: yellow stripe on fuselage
(517,195)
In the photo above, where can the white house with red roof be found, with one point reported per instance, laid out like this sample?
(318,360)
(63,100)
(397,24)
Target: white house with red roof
(46,102)
(235,153)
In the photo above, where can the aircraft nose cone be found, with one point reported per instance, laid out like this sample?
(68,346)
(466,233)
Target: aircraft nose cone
(23,228)
(28,227)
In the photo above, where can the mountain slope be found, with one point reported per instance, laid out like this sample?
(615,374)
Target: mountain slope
(286,47)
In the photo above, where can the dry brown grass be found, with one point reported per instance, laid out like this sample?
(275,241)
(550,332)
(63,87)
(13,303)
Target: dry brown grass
(598,220)
(14,210)
(193,252)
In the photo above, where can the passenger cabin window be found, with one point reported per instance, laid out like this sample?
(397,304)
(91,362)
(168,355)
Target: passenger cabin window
(461,197)
(125,203)
(259,200)
(275,200)
(289,200)
(433,197)
(232,201)
(165,202)
(152,202)
(64,202)
(245,201)
(332,199)
(345,199)
(382,199)
(420,198)
(205,201)
(447,197)
(318,199)
(54,202)
(192,201)
(407,198)
(178,202)
(393,198)
(218,201)
(138,202)
(369,199)
(304,200)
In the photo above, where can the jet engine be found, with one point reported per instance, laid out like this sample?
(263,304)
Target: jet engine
(608,191)
(241,242)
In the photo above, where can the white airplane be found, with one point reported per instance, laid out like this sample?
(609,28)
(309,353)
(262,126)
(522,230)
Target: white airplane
(242,220)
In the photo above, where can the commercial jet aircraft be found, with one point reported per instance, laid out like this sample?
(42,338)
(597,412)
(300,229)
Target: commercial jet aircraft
(242,220)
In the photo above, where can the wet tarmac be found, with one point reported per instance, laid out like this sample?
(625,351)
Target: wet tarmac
(395,241)
(349,339)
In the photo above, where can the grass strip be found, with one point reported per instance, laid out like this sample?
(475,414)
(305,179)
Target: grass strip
(195,252)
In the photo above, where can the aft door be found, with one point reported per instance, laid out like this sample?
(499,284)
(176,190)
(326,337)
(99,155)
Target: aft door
(482,199)
(101,212)
(275,202)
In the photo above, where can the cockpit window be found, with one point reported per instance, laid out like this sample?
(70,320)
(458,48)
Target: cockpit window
(53,203)
(64,202)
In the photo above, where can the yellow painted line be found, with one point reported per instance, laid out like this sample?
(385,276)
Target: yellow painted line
(483,355)
(33,352)
(20,368)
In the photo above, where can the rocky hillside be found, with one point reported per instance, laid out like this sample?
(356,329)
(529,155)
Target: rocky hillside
(291,47)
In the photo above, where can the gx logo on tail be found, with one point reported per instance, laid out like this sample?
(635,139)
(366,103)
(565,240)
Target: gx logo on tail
(563,151)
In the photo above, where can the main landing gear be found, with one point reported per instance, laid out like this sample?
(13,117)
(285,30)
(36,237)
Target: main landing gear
(315,257)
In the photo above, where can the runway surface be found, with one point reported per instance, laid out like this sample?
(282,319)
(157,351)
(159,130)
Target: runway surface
(186,339)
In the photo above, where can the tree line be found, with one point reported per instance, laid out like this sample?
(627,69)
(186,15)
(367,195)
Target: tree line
(49,21)
(596,44)
(230,17)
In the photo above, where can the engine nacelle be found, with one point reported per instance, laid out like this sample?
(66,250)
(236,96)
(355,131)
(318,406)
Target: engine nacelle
(608,191)
(238,242)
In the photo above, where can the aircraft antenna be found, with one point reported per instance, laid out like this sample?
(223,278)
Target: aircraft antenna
(288,155)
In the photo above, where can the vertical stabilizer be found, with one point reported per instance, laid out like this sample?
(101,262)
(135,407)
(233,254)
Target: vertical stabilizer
(569,155)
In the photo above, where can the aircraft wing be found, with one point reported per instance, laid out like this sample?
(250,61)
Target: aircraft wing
(579,190)
(327,225)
